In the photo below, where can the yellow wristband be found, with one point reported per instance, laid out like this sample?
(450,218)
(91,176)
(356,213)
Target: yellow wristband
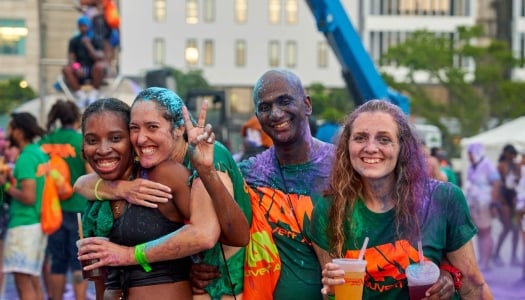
(7,186)
(96,190)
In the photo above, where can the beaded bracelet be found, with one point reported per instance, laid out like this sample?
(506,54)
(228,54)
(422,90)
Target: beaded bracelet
(96,190)
(140,257)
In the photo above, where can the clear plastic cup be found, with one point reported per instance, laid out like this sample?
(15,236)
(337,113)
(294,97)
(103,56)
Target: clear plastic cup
(421,277)
(354,278)
(98,273)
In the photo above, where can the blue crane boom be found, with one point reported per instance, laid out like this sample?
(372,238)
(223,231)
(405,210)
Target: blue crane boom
(362,79)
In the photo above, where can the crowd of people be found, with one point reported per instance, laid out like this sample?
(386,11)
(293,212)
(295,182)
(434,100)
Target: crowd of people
(183,217)
(495,190)
(91,51)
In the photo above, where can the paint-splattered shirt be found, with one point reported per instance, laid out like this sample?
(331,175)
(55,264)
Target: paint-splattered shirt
(281,196)
(445,226)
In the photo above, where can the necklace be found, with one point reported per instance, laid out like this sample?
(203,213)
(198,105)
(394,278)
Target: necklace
(290,203)
(117,207)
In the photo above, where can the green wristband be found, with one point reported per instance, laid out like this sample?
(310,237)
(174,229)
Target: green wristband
(331,297)
(140,257)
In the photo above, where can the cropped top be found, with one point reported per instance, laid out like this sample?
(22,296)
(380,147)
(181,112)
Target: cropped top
(135,226)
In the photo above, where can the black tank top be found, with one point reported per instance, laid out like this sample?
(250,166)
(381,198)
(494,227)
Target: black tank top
(135,226)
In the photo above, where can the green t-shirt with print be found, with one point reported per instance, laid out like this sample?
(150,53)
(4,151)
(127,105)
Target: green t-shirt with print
(445,226)
(224,162)
(67,143)
(30,165)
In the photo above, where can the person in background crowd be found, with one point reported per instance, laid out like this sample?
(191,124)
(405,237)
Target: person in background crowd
(255,140)
(85,61)
(482,193)
(433,166)
(25,243)
(445,164)
(104,29)
(510,174)
(520,209)
(379,189)
(66,142)
(4,208)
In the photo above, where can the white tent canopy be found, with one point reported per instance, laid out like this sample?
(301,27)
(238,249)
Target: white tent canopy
(494,140)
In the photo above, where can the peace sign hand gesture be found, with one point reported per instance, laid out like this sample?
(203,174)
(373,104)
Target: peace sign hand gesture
(200,138)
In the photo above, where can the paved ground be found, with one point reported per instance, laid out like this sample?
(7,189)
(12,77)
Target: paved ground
(503,281)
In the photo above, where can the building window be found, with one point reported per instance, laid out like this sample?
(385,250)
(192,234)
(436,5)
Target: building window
(192,12)
(291,11)
(159,10)
(273,53)
(209,11)
(291,54)
(159,52)
(208,53)
(322,55)
(13,37)
(423,7)
(191,54)
(274,11)
(240,53)
(241,11)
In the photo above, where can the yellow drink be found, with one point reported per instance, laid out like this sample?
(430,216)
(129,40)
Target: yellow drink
(353,287)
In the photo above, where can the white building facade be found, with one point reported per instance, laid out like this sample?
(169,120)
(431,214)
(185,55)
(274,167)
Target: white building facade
(235,41)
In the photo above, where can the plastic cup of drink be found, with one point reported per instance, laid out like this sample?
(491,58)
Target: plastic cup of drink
(354,278)
(420,278)
(94,274)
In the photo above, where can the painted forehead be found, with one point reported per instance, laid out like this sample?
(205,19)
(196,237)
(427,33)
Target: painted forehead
(283,78)
(166,99)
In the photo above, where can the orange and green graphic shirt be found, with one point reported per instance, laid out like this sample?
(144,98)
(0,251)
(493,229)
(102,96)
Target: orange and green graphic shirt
(445,225)
(280,261)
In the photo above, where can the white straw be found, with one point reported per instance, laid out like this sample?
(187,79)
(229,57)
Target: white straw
(80,230)
(363,248)
(420,250)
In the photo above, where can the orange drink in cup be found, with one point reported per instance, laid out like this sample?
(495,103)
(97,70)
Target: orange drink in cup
(354,278)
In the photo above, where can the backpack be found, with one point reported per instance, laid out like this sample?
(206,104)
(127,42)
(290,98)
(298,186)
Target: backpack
(59,172)
(51,214)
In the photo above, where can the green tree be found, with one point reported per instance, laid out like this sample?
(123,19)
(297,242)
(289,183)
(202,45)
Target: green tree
(329,104)
(488,96)
(12,94)
(193,79)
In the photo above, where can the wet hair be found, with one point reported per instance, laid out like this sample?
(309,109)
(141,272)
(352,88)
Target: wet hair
(65,111)
(102,105)
(346,185)
(28,124)
(167,101)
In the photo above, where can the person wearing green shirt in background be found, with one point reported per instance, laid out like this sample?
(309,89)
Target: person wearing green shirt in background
(445,165)
(25,243)
(65,141)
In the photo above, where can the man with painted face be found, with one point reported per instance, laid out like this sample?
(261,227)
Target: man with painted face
(280,261)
